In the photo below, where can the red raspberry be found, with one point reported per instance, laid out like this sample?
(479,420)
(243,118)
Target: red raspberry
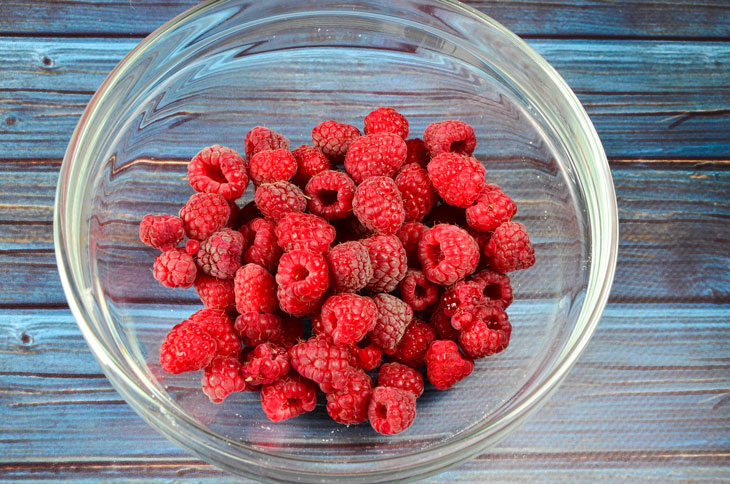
(217,169)
(310,161)
(458,179)
(297,307)
(447,254)
(221,378)
(347,318)
(412,348)
(192,247)
(491,209)
(256,328)
(509,249)
(442,324)
(330,194)
(217,324)
(486,337)
(379,154)
(333,139)
(389,262)
(410,235)
(419,196)
(495,287)
(445,366)
(187,347)
(265,364)
(349,405)
(319,360)
(292,331)
(418,291)
(367,355)
(264,250)
(396,375)
(288,397)
(215,293)
(450,136)
(394,316)
(303,231)
(464,318)
(270,166)
(220,254)
(417,152)
(204,214)
(350,268)
(303,274)
(279,198)
(391,410)
(464,295)
(162,232)
(240,217)
(260,139)
(175,268)
(378,205)
(255,290)
(386,120)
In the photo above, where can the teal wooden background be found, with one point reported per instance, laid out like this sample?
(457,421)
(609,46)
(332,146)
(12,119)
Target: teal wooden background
(649,400)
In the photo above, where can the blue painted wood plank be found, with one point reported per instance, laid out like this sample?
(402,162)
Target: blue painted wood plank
(647,18)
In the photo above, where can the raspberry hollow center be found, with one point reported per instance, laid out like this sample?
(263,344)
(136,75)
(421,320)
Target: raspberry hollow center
(299,273)
(214,173)
(328,197)
(381,411)
(435,253)
(492,291)
(458,146)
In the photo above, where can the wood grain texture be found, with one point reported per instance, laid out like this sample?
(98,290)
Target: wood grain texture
(644,18)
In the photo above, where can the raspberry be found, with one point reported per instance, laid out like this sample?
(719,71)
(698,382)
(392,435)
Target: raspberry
(389,262)
(192,247)
(204,214)
(292,331)
(391,410)
(491,209)
(509,249)
(349,405)
(333,139)
(367,355)
(297,307)
(346,318)
(393,317)
(255,290)
(217,324)
(270,166)
(240,217)
(162,232)
(187,347)
(256,328)
(330,194)
(220,254)
(495,287)
(303,231)
(386,120)
(412,348)
(175,268)
(303,274)
(486,337)
(418,291)
(310,161)
(217,169)
(410,235)
(260,139)
(221,378)
(442,324)
(464,318)
(449,136)
(418,195)
(396,375)
(379,154)
(265,364)
(447,254)
(417,152)
(350,268)
(445,366)
(464,295)
(458,179)
(288,397)
(279,198)
(319,360)
(378,205)
(264,250)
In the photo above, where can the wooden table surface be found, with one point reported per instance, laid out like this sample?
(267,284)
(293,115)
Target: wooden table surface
(649,400)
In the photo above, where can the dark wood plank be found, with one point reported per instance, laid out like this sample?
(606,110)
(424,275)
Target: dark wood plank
(645,18)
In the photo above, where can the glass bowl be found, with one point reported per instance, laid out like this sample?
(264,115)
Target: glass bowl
(216,71)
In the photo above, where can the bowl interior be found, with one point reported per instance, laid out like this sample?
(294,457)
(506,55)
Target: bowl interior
(234,66)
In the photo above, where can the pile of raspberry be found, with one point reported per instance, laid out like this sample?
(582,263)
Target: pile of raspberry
(363,260)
